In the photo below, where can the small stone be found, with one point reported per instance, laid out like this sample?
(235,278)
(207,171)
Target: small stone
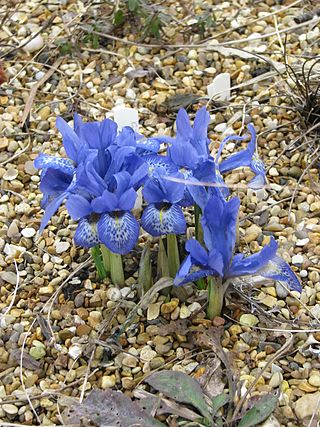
(153,311)
(28,232)
(273,172)
(274,226)
(65,334)
(36,43)
(129,361)
(37,352)
(303,273)
(108,381)
(169,307)
(302,242)
(184,312)
(62,247)
(248,320)
(157,362)
(10,174)
(297,259)
(75,351)
(10,409)
(83,330)
(163,348)
(314,379)
(142,338)
(252,233)
(269,301)
(113,294)
(147,354)
(9,277)
(275,380)
(221,127)
(13,230)
(45,112)
(46,290)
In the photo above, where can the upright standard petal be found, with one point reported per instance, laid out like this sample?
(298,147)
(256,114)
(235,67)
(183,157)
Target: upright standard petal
(118,231)
(200,130)
(198,254)
(278,269)
(163,218)
(70,139)
(86,234)
(242,266)
(183,124)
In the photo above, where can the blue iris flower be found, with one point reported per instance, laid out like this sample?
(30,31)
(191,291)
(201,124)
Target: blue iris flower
(190,147)
(163,215)
(219,226)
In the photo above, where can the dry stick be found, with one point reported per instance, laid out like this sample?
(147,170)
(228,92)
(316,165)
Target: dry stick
(276,355)
(203,45)
(34,89)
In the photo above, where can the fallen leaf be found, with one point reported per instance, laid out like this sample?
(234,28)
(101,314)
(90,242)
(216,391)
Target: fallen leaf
(108,408)
(180,387)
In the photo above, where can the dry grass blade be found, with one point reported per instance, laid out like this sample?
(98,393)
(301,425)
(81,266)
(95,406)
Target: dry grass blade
(35,88)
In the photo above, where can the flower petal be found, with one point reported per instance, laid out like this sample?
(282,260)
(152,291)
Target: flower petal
(183,124)
(155,161)
(192,277)
(108,202)
(70,139)
(119,231)
(278,269)
(159,219)
(51,209)
(54,181)
(198,254)
(242,266)
(78,206)
(86,234)
(200,125)
(44,161)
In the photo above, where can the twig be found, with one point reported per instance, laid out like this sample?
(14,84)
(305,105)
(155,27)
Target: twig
(34,89)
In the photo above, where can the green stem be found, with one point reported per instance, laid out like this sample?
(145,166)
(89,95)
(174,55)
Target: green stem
(216,291)
(116,269)
(173,254)
(105,252)
(97,258)
(197,224)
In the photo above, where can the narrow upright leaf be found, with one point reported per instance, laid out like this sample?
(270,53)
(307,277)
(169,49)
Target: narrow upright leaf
(180,387)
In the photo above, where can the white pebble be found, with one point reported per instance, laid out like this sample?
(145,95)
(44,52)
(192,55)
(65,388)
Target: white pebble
(75,351)
(62,247)
(297,259)
(28,232)
(221,127)
(303,273)
(302,242)
(35,44)
(273,172)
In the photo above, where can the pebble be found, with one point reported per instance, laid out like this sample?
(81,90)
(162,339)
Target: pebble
(153,311)
(108,381)
(275,380)
(113,294)
(297,259)
(62,247)
(75,351)
(184,312)
(305,406)
(10,409)
(248,320)
(9,277)
(37,352)
(28,232)
(273,172)
(10,174)
(314,379)
(36,43)
(147,354)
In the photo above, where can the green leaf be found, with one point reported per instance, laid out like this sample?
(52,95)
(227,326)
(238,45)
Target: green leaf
(162,261)
(97,258)
(173,255)
(180,387)
(218,402)
(133,5)
(260,411)
(118,17)
(95,41)
(145,272)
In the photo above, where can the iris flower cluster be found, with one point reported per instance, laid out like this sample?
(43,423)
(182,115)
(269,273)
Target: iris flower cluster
(105,168)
